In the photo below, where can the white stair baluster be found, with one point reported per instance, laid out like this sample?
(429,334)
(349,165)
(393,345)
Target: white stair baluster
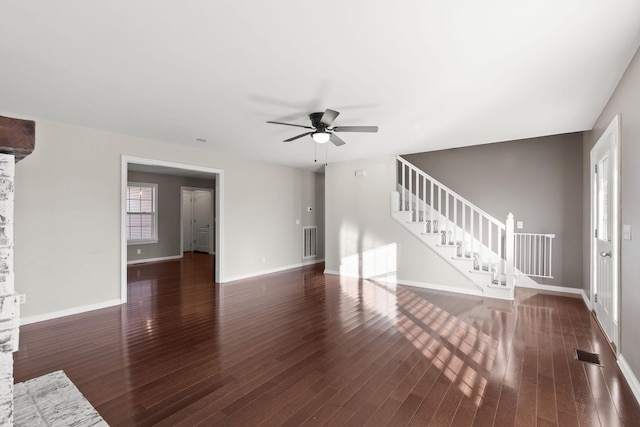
(439,209)
(500,255)
(490,239)
(536,255)
(447,222)
(481,250)
(424,203)
(404,190)
(471,245)
(463,245)
(455,220)
(411,192)
(550,251)
(431,205)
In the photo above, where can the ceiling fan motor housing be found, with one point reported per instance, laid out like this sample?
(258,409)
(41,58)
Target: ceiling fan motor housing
(315,121)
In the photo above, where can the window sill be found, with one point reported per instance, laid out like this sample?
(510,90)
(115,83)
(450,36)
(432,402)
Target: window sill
(141,242)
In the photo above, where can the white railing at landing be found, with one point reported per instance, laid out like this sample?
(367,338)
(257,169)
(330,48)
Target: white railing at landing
(534,254)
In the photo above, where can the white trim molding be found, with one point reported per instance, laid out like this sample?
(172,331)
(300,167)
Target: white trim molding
(68,312)
(162,258)
(610,138)
(394,281)
(587,300)
(445,288)
(219,213)
(271,270)
(632,380)
(554,288)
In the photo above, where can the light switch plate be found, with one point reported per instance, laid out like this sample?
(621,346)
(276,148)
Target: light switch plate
(519,225)
(626,232)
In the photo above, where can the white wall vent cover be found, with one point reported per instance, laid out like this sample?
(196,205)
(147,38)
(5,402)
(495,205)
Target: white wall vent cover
(309,241)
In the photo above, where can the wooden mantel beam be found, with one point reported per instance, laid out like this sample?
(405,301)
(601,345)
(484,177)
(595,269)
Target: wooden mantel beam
(17,137)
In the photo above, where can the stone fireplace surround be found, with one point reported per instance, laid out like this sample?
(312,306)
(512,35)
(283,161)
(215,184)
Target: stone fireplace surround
(17,140)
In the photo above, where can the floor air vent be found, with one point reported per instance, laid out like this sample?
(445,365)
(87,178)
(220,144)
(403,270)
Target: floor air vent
(585,356)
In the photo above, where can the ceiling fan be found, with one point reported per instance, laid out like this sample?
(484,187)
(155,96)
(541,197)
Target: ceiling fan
(321,132)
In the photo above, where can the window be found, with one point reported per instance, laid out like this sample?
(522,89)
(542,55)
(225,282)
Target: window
(142,219)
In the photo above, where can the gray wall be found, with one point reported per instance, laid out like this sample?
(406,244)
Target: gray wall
(169,205)
(626,102)
(539,180)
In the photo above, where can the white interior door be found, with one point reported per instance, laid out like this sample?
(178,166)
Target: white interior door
(187,221)
(202,220)
(604,214)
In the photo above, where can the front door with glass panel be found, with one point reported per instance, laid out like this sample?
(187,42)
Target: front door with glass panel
(605,236)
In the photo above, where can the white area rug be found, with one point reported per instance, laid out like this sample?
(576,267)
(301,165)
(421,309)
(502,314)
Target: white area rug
(52,400)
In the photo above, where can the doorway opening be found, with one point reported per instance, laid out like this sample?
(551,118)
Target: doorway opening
(173,235)
(198,220)
(605,225)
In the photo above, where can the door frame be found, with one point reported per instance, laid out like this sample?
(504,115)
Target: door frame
(218,213)
(212,247)
(613,129)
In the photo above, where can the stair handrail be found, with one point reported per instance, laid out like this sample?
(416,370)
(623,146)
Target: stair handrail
(453,193)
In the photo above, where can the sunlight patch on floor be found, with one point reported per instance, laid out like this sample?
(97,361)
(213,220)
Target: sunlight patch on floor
(463,353)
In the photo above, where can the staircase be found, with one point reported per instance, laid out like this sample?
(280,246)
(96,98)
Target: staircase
(475,243)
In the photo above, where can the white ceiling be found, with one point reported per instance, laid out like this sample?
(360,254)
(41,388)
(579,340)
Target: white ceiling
(431,74)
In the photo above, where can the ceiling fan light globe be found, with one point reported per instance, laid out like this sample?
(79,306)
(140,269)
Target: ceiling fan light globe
(321,137)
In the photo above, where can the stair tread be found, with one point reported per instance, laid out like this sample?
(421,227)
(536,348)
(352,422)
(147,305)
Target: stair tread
(484,273)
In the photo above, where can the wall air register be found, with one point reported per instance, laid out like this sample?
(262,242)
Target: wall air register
(309,242)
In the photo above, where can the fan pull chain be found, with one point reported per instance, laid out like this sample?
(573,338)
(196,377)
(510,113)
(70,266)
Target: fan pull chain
(315,152)
(326,154)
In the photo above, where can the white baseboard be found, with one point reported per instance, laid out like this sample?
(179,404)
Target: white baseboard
(271,270)
(566,290)
(68,312)
(437,287)
(632,380)
(431,286)
(163,258)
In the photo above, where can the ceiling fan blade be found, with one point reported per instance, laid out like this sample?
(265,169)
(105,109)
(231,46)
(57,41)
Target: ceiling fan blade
(328,117)
(289,124)
(355,129)
(299,136)
(336,140)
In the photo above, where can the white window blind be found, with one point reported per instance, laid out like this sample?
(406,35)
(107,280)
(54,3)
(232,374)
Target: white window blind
(141,213)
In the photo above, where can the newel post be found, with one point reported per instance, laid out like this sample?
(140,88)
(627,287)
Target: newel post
(509,248)
(17,140)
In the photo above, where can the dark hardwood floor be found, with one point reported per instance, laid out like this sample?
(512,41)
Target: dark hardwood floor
(301,348)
